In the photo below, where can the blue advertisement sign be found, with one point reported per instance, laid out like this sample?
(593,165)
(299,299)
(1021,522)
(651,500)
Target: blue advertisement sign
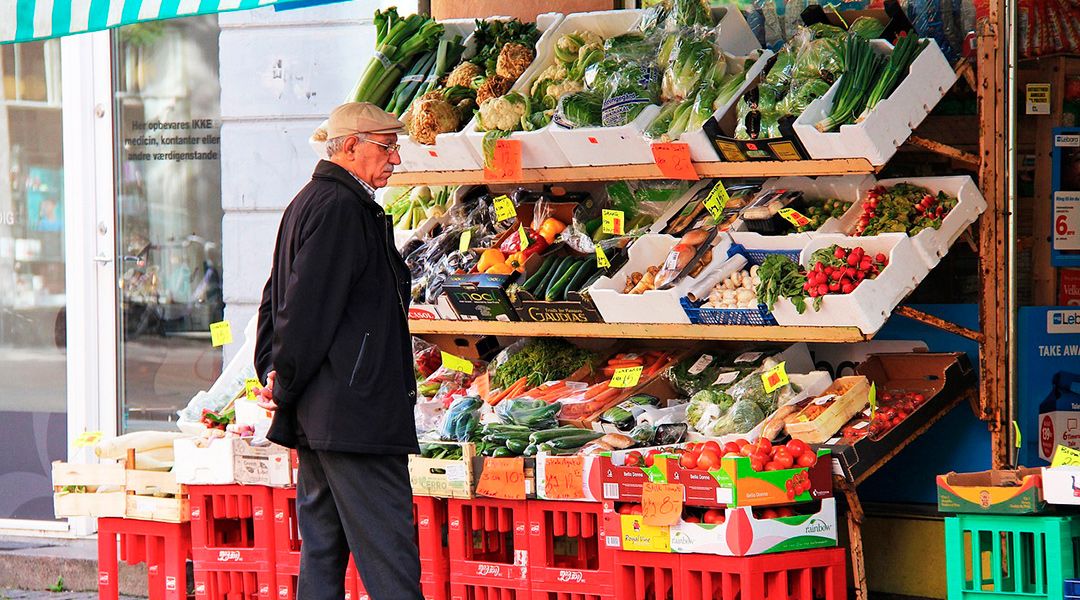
(1049,381)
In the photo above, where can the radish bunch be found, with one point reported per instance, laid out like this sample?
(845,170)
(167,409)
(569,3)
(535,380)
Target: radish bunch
(838,270)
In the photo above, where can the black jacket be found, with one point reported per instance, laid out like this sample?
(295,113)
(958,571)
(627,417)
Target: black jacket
(333,324)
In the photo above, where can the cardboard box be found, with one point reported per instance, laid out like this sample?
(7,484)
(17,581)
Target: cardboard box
(629,532)
(481,297)
(735,483)
(939,377)
(528,473)
(443,478)
(623,483)
(1005,492)
(591,480)
(1060,485)
(721,132)
(742,534)
(231,460)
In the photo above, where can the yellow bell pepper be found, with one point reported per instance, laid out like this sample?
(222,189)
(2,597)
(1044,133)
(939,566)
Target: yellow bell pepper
(500,269)
(551,228)
(516,260)
(489,258)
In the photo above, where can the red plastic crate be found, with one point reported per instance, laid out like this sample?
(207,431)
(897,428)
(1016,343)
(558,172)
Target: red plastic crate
(232,525)
(489,542)
(488,591)
(164,547)
(649,576)
(430,517)
(233,584)
(567,549)
(538,594)
(286,531)
(803,575)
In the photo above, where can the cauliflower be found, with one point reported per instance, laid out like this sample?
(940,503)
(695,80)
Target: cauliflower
(463,75)
(513,59)
(560,89)
(566,49)
(431,117)
(503,113)
(493,87)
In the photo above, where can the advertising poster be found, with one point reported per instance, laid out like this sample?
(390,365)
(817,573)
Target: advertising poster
(1065,218)
(1049,381)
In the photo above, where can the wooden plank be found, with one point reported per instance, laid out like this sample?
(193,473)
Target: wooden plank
(944,150)
(103,474)
(929,319)
(851,166)
(153,482)
(640,331)
(1043,274)
(165,510)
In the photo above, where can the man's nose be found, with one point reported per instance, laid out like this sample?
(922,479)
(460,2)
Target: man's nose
(395,157)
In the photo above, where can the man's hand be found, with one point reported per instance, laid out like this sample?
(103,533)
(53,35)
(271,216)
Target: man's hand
(266,394)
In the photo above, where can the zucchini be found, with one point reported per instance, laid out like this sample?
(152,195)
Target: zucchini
(538,276)
(567,442)
(557,274)
(587,268)
(538,291)
(530,450)
(517,446)
(502,453)
(546,435)
(554,292)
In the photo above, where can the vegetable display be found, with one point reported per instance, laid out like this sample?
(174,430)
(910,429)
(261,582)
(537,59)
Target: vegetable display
(410,207)
(837,270)
(540,360)
(903,208)
(397,41)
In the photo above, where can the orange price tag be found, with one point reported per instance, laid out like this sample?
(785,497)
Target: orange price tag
(673,158)
(483,385)
(661,503)
(563,477)
(505,161)
(502,478)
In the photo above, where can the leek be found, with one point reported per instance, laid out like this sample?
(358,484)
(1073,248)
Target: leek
(907,48)
(397,41)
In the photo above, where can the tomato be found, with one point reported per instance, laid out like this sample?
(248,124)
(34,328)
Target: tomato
(708,460)
(918,399)
(783,458)
(785,512)
(772,466)
(731,447)
(711,445)
(650,457)
(692,519)
(635,509)
(797,448)
(741,442)
(769,513)
(624,509)
(756,463)
(715,516)
(747,450)
(807,460)
(764,445)
(634,459)
(732,455)
(688,461)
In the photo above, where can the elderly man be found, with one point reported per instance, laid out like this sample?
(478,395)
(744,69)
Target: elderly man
(333,343)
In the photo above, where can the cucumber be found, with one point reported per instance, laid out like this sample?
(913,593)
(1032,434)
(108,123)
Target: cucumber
(502,453)
(567,442)
(517,445)
(530,450)
(538,291)
(538,437)
(556,274)
(587,268)
(538,276)
(554,292)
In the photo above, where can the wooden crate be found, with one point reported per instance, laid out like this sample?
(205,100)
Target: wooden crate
(838,413)
(155,496)
(444,478)
(88,490)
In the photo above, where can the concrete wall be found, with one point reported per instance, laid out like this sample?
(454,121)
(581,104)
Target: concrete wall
(281,74)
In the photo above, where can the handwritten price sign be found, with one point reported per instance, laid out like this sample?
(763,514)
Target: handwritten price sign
(505,162)
(502,478)
(601,258)
(563,477)
(504,208)
(661,503)
(612,221)
(673,158)
(456,363)
(625,377)
(775,378)
(717,200)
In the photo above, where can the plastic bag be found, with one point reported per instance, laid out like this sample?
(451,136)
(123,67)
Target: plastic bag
(427,358)
(579,109)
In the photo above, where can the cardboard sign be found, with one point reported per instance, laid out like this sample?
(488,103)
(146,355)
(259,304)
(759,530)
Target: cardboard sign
(601,258)
(1038,99)
(523,237)
(661,503)
(502,478)
(717,200)
(873,399)
(456,363)
(465,240)
(563,477)
(220,333)
(775,378)
(613,222)
(673,158)
(794,217)
(504,208)
(626,377)
(1065,456)
(249,388)
(87,438)
(505,161)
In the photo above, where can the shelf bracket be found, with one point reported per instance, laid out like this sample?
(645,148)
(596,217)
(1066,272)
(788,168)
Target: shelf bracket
(945,150)
(929,319)
(966,70)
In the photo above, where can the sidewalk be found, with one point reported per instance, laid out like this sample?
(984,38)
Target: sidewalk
(38,563)
(25,595)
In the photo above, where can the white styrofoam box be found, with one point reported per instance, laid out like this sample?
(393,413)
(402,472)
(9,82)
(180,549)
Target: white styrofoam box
(223,461)
(442,309)
(872,302)
(247,253)
(849,188)
(701,148)
(752,240)
(653,306)
(1061,485)
(404,236)
(247,147)
(893,119)
(761,536)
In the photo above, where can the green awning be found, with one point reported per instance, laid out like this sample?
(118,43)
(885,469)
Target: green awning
(25,20)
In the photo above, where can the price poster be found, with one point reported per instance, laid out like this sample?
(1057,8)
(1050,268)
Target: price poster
(1065,210)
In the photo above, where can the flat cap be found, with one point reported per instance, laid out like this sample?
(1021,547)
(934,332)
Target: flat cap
(353,118)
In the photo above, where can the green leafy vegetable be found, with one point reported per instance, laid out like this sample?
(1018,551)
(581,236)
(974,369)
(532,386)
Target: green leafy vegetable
(541,360)
(781,278)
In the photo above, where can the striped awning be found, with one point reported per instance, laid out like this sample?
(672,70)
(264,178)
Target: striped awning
(25,20)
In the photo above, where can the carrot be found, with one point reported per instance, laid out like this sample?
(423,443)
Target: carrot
(624,363)
(596,390)
(518,387)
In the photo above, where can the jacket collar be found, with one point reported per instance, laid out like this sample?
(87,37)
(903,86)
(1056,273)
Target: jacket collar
(329,171)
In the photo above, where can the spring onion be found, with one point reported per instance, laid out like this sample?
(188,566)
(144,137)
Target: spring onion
(863,67)
(908,46)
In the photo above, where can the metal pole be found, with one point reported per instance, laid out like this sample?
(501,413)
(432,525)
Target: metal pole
(1010,30)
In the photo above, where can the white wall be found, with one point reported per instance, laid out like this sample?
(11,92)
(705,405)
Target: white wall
(281,74)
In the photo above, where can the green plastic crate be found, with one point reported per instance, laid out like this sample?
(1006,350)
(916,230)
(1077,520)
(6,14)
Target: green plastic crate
(1010,557)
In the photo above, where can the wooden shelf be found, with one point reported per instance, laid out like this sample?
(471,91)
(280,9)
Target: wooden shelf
(847,166)
(637,331)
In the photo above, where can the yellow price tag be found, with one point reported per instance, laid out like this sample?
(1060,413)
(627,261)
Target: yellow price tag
(504,208)
(794,217)
(601,258)
(873,399)
(220,333)
(524,237)
(456,363)
(717,200)
(88,438)
(613,222)
(1065,456)
(775,378)
(465,240)
(626,377)
(249,388)
(1016,429)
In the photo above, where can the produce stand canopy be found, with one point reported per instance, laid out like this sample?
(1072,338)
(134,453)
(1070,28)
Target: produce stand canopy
(639,331)
(809,168)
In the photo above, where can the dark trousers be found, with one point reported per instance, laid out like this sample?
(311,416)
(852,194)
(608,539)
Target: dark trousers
(360,503)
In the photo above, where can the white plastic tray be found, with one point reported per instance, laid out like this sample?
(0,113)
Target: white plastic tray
(892,120)
(653,306)
(871,304)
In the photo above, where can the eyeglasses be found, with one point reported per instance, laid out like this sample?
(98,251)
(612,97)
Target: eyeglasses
(390,148)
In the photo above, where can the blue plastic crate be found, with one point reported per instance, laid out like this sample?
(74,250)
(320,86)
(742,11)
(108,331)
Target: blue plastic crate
(727,316)
(1072,589)
(758,256)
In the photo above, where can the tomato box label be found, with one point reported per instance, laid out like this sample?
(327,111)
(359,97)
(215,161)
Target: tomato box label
(1011,491)
(736,483)
(623,483)
(743,534)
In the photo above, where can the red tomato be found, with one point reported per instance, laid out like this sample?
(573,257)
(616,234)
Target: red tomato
(747,450)
(708,460)
(692,519)
(757,463)
(741,442)
(807,460)
(769,513)
(732,455)
(783,458)
(715,516)
(624,509)
(688,461)
(797,448)
(772,466)
(785,512)
(731,447)
(635,509)
(711,445)
(634,459)
(650,458)
(764,445)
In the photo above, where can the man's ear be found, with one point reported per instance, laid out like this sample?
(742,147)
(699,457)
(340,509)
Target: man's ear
(350,144)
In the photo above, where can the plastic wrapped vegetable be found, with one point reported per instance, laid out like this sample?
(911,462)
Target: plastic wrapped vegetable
(568,46)
(627,88)
(687,13)
(743,416)
(580,109)
(867,27)
(534,414)
(461,419)
(752,388)
(693,55)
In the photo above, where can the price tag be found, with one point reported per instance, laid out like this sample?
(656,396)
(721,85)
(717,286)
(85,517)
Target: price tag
(524,237)
(613,221)
(502,478)
(873,399)
(1065,456)
(673,158)
(661,503)
(794,217)
(456,363)
(625,377)
(1016,430)
(249,388)
(220,333)
(717,200)
(483,385)
(504,208)
(563,477)
(775,378)
(87,438)
(601,258)
(505,161)
(465,240)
